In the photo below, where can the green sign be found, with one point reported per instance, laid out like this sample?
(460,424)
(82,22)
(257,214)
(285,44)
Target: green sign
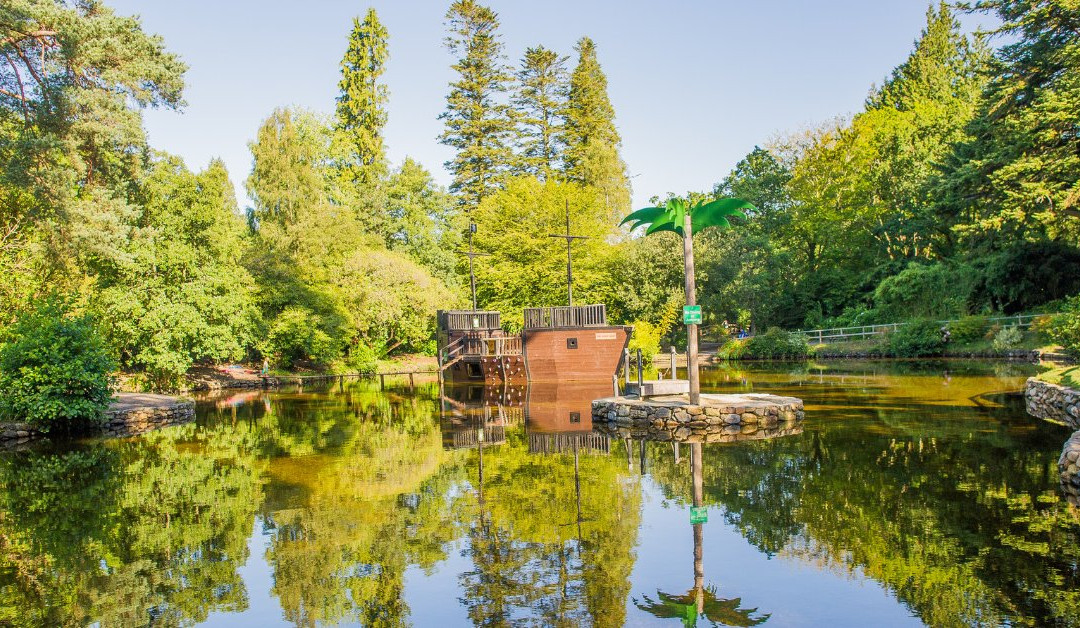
(699,514)
(691,315)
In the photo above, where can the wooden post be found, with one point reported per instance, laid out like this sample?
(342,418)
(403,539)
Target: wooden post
(640,372)
(615,384)
(411,384)
(691,299)
(673,356)
(626,367)
(382,381)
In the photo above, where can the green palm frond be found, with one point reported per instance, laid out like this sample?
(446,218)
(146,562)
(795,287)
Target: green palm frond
(671,217)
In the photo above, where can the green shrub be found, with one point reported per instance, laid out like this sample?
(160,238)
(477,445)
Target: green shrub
(364,358)
(776,343)
(646,337)
(916,339)
(733,349)
(55,370)
(923,291)
(1008,338)
(968,329)
(296,336)
(1064,328)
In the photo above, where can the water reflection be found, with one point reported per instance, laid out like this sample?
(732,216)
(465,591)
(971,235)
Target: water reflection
(699,602)
(909,493)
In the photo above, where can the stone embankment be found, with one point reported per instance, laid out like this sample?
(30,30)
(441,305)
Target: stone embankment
(1053,402)
(135,413)
(718,418)
(1069,467)
(1062,405)
(129,414)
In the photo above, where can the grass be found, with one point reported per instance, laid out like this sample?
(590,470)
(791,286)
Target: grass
(1063,376)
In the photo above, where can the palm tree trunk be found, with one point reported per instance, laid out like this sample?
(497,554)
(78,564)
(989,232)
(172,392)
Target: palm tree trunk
(691,299)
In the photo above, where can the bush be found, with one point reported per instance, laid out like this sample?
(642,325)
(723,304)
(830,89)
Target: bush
(1064,328)
(733,349)
(969,329)
(777,344)
(916,339)
(646,337)
(923,290)
(55,370)
(1008,338)
(296,336)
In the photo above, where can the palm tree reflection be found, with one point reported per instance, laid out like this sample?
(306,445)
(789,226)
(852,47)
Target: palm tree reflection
(700,602)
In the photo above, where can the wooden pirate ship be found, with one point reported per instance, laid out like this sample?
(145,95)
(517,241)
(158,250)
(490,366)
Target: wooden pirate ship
(556,344)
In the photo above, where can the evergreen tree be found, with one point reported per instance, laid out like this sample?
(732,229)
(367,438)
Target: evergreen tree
(1017,176)
(539,104)
(361,106)
(478,126)
(907,130)
(592,152)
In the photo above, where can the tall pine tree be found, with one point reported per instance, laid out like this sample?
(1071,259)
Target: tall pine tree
(1017,176)
(361,106)
(539,103)
(592,152)
(478,124)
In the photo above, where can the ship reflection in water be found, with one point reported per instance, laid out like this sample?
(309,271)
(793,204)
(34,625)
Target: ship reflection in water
(557,419)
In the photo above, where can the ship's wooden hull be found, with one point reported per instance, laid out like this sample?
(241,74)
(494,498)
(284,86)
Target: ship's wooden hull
(567,354)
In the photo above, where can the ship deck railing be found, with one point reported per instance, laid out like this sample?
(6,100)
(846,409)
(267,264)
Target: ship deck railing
(493,346)
(469,320)
(565,316)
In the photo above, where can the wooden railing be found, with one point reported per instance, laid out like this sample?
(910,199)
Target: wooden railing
(564,442)
(860,332)
(485,347)
(466,320)
(565,316)
(493,346)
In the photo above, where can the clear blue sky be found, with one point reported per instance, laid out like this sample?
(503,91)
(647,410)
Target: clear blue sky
(695,85)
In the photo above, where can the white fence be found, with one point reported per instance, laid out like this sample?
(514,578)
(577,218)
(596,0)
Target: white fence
(840,334)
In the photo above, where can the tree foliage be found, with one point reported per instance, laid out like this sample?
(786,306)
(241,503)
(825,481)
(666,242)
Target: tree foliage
(478,122)
(55,370)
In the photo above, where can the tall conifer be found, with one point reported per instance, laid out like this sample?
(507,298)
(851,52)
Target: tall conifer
(478,124)
(539,103)
(361,106)
(592,152)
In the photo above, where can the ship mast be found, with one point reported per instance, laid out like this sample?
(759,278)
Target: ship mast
(569,264)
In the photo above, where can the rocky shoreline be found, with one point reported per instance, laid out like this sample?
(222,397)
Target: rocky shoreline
(718,418)
(128,415)
(1059,404)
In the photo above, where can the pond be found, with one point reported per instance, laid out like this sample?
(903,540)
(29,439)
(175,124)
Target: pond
(913,493)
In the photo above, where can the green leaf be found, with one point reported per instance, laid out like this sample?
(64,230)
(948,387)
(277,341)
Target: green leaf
(644,215)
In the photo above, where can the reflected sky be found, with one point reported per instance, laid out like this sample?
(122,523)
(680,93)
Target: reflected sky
(915,493)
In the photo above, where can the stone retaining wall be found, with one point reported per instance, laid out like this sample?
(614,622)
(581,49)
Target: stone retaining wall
(119,421)
(128,422)
(707,434)
(1069,467)
(1060,404)
(718,418)
(17,433)
(1053,402)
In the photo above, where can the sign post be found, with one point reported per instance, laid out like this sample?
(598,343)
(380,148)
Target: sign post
(691,315)
(699,514)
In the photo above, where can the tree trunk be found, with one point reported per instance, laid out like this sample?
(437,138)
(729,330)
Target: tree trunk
(691,299)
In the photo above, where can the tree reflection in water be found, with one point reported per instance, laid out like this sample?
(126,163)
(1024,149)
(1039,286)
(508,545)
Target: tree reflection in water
(700,602)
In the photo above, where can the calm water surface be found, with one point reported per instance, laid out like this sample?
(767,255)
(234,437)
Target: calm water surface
(916,493)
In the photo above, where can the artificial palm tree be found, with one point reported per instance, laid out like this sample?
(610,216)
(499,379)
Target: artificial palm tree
(682,218)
